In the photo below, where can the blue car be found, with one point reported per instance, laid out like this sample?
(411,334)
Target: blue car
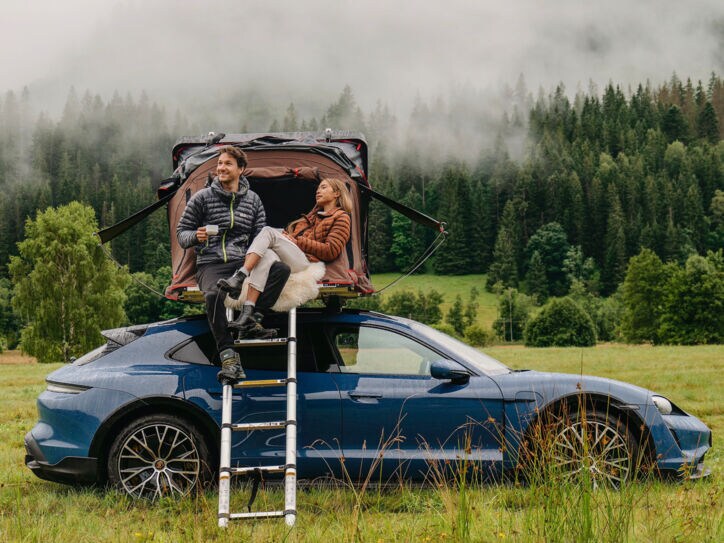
(377,395)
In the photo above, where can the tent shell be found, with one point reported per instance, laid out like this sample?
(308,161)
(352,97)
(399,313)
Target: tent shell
(284,169)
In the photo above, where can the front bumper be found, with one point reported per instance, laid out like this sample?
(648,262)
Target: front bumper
(70,470)
(700,472)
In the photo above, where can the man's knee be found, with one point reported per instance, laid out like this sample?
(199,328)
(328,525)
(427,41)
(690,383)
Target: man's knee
(211,297)
(280,271)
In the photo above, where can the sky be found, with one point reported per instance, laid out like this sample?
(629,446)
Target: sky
(187,51)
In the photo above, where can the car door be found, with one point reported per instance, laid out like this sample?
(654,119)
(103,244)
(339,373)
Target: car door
(397,420)
(318,407)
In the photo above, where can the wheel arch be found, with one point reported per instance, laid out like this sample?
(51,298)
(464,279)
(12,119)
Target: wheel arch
(597,402)
(168,405)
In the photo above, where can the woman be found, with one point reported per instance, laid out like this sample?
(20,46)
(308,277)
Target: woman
(320,235)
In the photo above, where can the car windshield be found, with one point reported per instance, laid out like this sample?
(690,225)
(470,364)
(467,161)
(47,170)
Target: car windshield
(486,364)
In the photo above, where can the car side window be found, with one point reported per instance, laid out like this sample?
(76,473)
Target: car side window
(377,351)
(201,349)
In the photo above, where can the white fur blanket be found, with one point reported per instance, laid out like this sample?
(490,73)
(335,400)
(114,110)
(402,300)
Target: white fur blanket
(300,288)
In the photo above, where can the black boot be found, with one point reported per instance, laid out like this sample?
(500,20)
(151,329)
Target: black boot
(245,318)
(253,329)
(233,284)
(231,370)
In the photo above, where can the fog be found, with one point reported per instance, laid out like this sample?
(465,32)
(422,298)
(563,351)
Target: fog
(191,54)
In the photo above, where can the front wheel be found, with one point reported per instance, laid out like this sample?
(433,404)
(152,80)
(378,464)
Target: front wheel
(594,447)
(158,455)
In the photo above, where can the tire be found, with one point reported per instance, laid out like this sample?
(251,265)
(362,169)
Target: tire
(159,455)
(593,446)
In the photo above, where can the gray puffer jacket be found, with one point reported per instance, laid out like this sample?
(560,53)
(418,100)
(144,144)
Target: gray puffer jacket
(239,215)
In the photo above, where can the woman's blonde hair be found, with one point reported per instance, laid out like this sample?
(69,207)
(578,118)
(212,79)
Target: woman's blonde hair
(344,200)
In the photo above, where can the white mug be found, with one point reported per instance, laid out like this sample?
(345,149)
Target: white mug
(212,229)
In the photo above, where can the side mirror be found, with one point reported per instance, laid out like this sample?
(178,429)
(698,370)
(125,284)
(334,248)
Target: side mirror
(449,370)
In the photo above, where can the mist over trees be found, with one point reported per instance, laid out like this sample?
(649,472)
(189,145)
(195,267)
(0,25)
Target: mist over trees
(548,194)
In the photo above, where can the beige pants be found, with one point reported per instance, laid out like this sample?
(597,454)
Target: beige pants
(272,245)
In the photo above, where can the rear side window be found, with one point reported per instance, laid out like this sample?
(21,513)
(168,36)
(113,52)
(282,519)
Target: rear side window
(190,351)
(202,350)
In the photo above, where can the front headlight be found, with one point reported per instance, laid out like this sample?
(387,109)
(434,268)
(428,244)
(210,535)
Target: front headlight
(662,404)
(64,388)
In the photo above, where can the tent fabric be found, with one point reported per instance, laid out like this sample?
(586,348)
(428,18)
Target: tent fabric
(286,180)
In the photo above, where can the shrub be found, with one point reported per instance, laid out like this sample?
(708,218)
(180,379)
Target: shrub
(425,307)
(561,323)
(478,336)
(370,303)
(446,329)
(693,304)
(454,316)
(604,312)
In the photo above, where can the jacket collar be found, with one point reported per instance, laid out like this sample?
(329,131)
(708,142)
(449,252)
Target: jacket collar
(217,187)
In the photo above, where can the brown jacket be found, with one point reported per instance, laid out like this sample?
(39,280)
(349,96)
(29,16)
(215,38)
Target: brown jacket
(322,237)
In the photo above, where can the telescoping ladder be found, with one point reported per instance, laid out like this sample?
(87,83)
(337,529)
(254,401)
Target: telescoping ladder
(290,425)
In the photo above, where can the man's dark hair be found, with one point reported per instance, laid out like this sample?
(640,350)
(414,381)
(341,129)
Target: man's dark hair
(237,153)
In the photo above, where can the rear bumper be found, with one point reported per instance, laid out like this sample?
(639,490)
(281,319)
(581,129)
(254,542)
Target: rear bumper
(70,470)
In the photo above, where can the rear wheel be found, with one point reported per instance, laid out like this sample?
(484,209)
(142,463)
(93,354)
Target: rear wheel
(159,455)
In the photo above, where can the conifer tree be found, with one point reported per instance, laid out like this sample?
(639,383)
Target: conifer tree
(614,267)
(456,211)
(471,308)
(380,217)
(708,124)
(407,237)
(290,119)
(504,268)
(716,234)
(536,278)
(455,317)
(674,126)
(694,219)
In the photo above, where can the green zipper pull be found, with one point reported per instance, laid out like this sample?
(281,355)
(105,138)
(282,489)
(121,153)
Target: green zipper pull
(223,237)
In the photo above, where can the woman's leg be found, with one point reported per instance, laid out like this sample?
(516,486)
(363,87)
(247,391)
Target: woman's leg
(259,273)
(271,240)
(259,245)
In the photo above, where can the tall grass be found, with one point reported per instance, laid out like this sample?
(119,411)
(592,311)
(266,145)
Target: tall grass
(457,509)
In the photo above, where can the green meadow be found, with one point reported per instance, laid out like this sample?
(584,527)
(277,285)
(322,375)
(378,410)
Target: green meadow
(649,510)
(449,286)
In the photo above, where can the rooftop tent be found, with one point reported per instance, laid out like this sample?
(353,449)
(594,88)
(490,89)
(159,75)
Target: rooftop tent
(284,169)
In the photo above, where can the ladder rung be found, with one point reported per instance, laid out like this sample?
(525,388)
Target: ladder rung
(259,425)
(261,383)
(266,469)
(261,342)
(260,514)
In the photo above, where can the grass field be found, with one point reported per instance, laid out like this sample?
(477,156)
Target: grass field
(693,377)
(449,286)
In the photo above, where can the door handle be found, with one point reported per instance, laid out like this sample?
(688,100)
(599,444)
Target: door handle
(365,395)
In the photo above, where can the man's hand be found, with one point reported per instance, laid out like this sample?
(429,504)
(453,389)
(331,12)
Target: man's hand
(201,234)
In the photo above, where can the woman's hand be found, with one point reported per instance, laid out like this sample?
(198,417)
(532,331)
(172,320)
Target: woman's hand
(201,234)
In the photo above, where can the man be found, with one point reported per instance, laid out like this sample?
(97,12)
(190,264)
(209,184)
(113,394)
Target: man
(234,215)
